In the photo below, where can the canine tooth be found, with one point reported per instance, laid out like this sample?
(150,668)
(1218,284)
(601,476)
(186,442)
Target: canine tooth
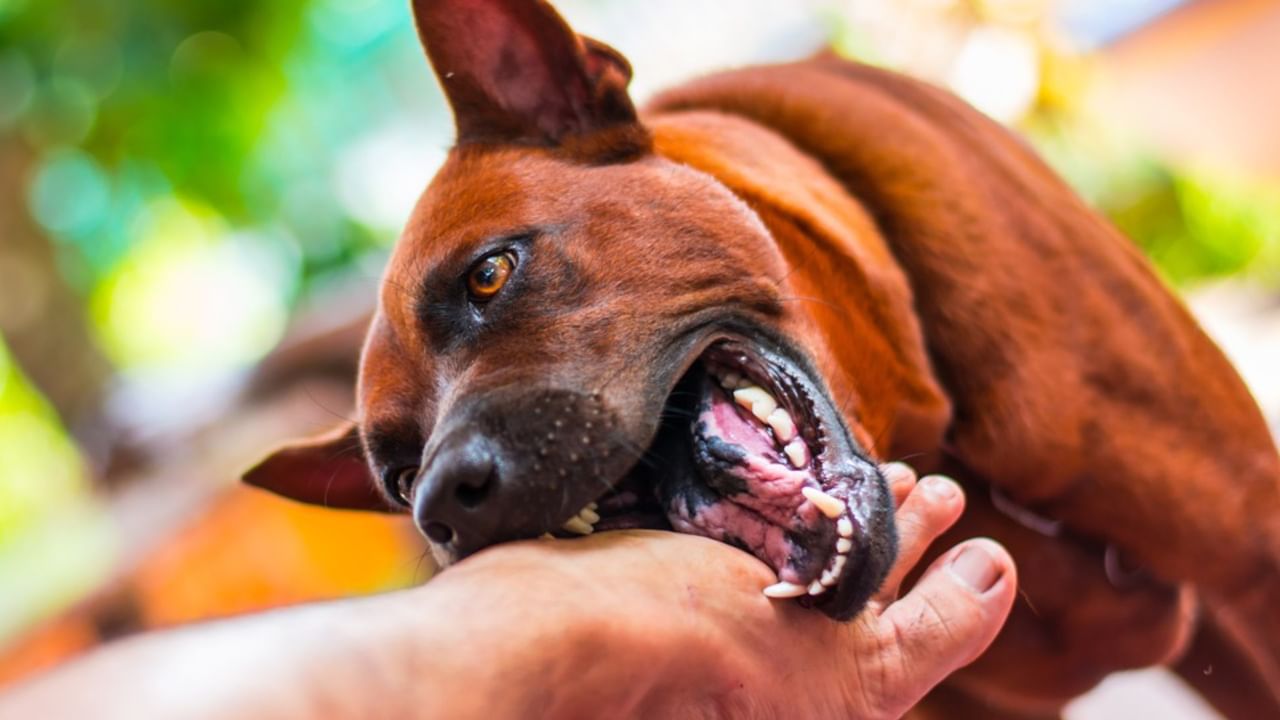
(829,578)
(546,536)
(797,453)
(589,516)
(731,380)
(831,507)
(844,527)
(756,399)
(592,506)
(784,590)
(844,545)
(816,587)
(763,409)
(576,524)
(784,428)
(749,395)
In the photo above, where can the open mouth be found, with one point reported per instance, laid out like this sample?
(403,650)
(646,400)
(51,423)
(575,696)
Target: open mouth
(751,452)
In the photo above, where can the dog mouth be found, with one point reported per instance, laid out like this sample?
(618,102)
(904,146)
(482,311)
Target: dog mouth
(750,452)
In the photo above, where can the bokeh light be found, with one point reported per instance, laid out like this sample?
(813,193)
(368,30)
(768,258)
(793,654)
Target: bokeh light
(17,86)
(70,194)
(33,445)
(50,528)
(187,296)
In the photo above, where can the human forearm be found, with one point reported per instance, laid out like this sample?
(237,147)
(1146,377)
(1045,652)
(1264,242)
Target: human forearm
(318,660)
(521,632)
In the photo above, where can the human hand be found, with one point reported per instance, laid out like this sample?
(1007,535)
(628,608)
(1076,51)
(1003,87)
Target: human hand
(656,624)
(624,624)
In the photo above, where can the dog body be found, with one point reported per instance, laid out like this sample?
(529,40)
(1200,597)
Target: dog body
(1060,372)
(906,271)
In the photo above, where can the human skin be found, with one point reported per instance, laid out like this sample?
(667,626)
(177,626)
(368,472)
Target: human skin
(623,624)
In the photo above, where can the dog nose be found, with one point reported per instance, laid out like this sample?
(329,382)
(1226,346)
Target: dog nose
(450,499)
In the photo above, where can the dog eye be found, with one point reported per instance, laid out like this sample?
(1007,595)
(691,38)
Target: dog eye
(488,276)
(404,484)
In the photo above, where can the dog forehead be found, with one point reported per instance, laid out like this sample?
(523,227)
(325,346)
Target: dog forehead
(482,193)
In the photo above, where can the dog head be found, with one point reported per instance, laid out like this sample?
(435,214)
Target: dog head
(575,333)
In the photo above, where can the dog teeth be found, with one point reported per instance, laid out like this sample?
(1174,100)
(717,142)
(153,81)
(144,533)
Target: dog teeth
(731,380)
(829,506)
(748,395)
(577,525)
(784,590)
(784,428)
(844,527)
(831,576)
(757,400)
(546,536)
(797,453)
(584,522)
(764,409)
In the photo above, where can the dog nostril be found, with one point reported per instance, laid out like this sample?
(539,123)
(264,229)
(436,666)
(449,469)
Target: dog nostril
(438,532)
(470,496)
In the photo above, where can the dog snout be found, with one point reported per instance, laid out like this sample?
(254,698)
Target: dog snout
(515,463)
(453,498)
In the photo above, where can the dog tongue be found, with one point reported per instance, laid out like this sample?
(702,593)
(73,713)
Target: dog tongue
(730,425)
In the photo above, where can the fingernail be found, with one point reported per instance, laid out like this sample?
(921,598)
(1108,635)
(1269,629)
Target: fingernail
(939,487)
(975,567)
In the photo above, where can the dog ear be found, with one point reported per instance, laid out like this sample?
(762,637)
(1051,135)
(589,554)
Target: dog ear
(328,470)
(514,71)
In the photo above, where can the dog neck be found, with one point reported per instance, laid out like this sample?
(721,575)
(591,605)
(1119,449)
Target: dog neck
(842,275)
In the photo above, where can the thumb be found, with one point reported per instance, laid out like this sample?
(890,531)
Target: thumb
(949,617)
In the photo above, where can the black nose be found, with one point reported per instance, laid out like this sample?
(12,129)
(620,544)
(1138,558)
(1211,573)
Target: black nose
(449,502)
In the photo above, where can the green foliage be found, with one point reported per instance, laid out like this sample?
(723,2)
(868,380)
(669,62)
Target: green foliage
(241,107)
(1194,224)
(185,160)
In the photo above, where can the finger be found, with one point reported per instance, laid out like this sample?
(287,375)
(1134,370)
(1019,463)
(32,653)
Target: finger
(900,478)
(949,618)
(931,507)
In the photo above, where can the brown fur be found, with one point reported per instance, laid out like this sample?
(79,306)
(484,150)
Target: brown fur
(977,316)
(1080,386)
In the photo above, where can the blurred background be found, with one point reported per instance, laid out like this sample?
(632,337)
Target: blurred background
(197,198)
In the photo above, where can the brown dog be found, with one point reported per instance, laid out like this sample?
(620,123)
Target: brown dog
(718,315)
